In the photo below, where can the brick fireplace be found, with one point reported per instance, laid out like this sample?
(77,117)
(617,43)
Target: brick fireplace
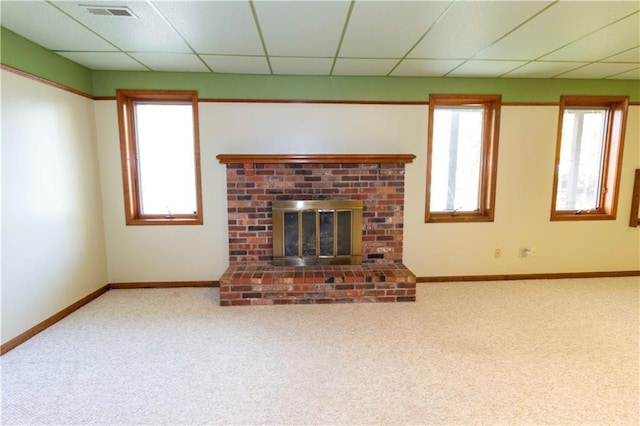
(254,182)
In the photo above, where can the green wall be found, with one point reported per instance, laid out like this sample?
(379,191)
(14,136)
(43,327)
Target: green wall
(402,89)
(27,56)
(24,55)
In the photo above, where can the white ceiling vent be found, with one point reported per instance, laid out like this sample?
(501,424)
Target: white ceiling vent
(110,11)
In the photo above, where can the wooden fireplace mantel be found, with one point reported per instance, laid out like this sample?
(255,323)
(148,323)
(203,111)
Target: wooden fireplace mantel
(315,158)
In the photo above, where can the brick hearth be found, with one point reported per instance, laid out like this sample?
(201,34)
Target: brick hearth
(255,181)
(264,284)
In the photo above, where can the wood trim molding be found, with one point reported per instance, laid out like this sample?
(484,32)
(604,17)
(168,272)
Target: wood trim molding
(18,340)
(321,101)
(311,101)
(315,158)
(163,284)
(634,219)
(45,81)
(130,156)
(488,159)
(543,276)
(338,102)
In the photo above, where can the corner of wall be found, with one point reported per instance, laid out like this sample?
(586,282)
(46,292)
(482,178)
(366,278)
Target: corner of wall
(29,57)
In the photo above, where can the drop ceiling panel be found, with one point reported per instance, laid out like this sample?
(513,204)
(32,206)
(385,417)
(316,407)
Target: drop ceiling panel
(111,61)
(147,32)
(317,27)
(59,33)
(631,55)
(371,67)
(629,75)
(470,26)
(599,70)
(425,67)
(180,62)
(480,38)
(388,29)
(562,23)
(485,68)
(540,69)
(214,27)
(613,39)
(302,66)
(237,64)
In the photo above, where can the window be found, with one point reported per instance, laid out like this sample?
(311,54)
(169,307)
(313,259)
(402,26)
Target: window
(462,154)
(588,157)
(160,157)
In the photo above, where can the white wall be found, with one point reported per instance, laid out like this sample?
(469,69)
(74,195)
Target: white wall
(525,174)
(53,249)
(523,205)
(160,253)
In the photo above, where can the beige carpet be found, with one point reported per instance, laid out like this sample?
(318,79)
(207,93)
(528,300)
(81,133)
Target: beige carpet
(513,352)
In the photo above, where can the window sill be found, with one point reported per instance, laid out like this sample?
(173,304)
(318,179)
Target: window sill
(164,221)
(456,218)
(575,216)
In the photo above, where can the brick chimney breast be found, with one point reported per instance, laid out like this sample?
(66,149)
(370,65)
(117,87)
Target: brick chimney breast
(254,182)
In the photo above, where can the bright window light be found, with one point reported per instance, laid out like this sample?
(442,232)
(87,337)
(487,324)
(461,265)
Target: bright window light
(166,169)
(581,159)
(457,159)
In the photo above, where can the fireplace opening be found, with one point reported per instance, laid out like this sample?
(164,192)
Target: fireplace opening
(317,232)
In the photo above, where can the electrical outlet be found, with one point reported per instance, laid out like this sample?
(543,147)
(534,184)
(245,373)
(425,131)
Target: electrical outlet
(497,253)
(527,252)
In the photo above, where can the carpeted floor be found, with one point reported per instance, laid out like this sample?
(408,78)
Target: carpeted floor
(512,352)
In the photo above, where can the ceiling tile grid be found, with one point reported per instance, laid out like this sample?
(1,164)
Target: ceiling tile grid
(557,26)
(115,61)
(146,32)
(428,38)
(426,67)
(470,26)
(484,68)
(181,62)
(388,29)
(301,28)
(363,67)
(543,69)
(237,64)
(21,18)
(213,27)
(301,66)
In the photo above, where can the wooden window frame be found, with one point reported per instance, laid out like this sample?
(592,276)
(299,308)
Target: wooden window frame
(489,160)
(634,219)
(126,122)
(614,134)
